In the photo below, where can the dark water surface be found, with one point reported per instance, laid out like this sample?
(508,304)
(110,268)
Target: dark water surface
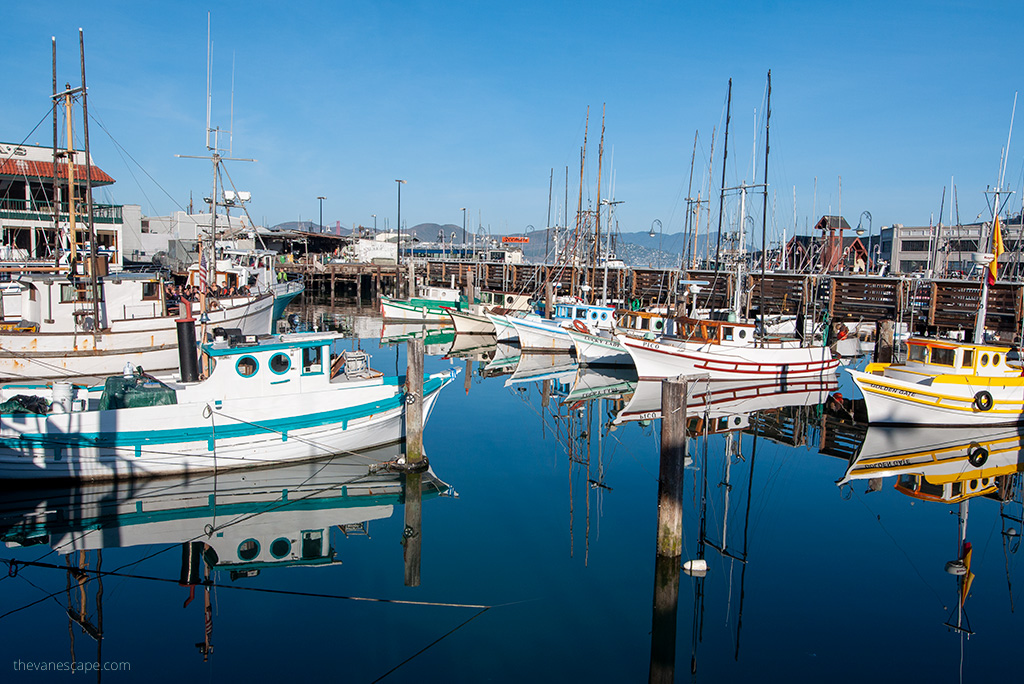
(537,551)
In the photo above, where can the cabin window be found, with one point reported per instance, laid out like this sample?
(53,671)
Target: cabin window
(593,315)
(918,353)
(727,333)
(995,359)
(968,358)
(581,313)
(280,363)
(280,547)
(248,549)
(312,360)
(72,293)
(32,294)
(743,334)
(247,366)
(509,300)
(645,324)
(604,316)
(151,290)
(943,356)
(312,543)
(984,359)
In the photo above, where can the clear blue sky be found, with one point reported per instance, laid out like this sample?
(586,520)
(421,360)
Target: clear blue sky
(475,102)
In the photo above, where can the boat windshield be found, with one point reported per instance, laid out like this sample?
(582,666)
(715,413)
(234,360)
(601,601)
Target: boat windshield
(943,356)
(918,353)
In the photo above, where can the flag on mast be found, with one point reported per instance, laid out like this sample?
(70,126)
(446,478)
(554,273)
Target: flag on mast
(997,249)
(202,270)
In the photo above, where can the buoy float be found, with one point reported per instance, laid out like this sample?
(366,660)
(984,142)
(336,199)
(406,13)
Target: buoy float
(696,568)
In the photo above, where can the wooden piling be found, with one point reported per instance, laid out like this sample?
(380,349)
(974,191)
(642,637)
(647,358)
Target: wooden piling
(414,401)
(670,473)
(412,279)
(549,299)
(333,269)
(359,291)
(412,540)
(884,338)
(663,620)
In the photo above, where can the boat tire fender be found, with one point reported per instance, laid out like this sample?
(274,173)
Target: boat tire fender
(977,457)
(983,401)
(580,326)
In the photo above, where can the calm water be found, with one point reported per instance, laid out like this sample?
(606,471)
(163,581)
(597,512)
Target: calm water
(537,551)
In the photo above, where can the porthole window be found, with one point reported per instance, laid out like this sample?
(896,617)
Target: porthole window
(248,549)
(593,315)
(247,366)
(604,316)
(743,333)
(659,324)
(280,547)
(280,363)
(984,359)
(995,359)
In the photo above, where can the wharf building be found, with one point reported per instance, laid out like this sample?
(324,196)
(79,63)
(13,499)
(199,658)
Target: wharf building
(942,251)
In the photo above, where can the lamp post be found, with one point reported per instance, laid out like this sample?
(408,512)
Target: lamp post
(463,226)
(321,229)
(860,231)
(657,221)
(400,184)
(374,224)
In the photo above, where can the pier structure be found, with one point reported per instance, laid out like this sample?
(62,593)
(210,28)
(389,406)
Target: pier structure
(934,306)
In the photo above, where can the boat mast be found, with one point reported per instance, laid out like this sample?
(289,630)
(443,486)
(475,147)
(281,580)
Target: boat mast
(689,204)
(93,279)
(725,157)
(55,201)
(764,212)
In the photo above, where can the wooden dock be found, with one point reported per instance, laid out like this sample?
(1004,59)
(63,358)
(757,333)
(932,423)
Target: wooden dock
(923,305)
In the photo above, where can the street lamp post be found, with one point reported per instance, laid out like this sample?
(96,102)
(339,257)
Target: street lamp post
(400,184)
(375,224)
(860,231)
(463,229)
(651,234)
(321,213)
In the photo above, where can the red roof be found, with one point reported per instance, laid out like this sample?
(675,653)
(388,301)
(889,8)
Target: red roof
(36,169)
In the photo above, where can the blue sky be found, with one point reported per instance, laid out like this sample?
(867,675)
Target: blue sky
(474,103)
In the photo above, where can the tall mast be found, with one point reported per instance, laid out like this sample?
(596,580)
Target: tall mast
(597,220)
(689,203)
(764,212)
(55,198)
(93,281)
(725,157)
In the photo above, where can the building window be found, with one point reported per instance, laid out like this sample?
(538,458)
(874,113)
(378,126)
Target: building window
(915,245)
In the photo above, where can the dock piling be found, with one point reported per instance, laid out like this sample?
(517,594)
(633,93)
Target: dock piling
(884,339)
(670,472)
(414,401)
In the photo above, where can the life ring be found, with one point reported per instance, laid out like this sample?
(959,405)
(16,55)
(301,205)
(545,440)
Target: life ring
(977,456)
(580,326)
(983,401)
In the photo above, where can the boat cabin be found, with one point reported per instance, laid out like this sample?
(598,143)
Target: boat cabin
(592,315)
(511,301)
(56,304)
(954,491)
(645,322)
(704,331)
(946,357)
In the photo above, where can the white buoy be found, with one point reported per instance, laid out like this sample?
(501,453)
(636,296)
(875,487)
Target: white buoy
(696,568)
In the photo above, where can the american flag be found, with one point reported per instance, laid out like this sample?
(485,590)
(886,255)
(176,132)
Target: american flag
(202,271)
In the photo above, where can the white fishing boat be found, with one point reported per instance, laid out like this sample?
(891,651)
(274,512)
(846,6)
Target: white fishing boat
(560,367)
(255,270)
(506,358)
(540,334)
(726,351)
(428,305)
(60,337)
(600,348)
(504,331)
(267,400)
(944,382)
(606,383)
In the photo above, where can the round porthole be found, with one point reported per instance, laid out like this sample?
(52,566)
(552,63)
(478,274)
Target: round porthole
(604,316)
(984,359)
(280,363)
(248,549)
(659,324)
(280,547)
(743,334)
(593,315)
(247,366)
(995,359)
(509,299)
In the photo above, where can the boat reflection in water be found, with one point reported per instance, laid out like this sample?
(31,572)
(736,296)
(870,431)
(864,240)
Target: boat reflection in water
(949,466)
(437,338)
(247,520)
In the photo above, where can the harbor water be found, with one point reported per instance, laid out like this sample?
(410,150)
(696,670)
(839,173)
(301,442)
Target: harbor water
(527,551)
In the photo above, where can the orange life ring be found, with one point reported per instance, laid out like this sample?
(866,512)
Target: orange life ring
(581,326)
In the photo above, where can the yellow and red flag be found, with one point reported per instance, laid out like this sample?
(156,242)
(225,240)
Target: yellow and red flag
(997,249)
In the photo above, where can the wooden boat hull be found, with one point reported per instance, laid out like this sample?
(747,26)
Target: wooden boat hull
(209,434)
(944,400)
(773,363)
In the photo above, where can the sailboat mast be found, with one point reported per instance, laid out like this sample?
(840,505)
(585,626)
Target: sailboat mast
(764,212)
(93,280)
(725,157)
(55,198)
(689,204)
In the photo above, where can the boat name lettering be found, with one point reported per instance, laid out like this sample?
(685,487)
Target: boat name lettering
(906,393)
(888,464)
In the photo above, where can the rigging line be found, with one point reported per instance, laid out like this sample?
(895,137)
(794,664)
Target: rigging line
(431,644)
(261,590)
(29,135)
(878,519)
(141,167)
